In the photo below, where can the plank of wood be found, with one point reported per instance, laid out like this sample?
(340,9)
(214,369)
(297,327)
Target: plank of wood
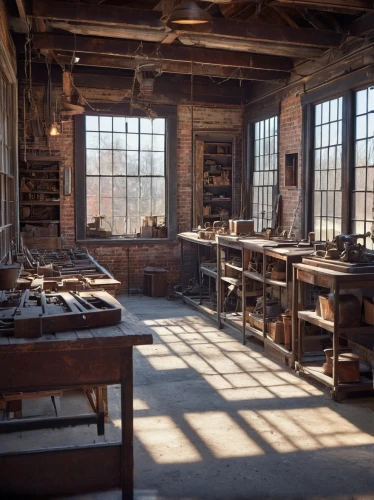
(179,53)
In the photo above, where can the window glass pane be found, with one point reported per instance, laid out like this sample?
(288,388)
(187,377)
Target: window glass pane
(119,163)
(370,152)
(106,140)
(119,141)
(333,110)
(145,142)
(325,112)
(361,127)
(145,126)
(92,123)
(360,179)
(106,162)
(317,137)
(106,124)
(132,163)
(361,102)
(92,162)
(145,163)
(119,124)
(92,140)
(158,143)
(158,164)
(132,142)
(133,125)
(361,153)
(119,187)
(318,114)
(159,126)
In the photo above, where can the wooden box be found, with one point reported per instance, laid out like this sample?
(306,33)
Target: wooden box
(276,331)
(242,226)
(155,282)
(230,272)
(348,368)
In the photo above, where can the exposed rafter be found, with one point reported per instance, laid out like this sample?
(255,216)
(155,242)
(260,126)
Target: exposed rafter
(113,16)
(183,68)
(178,53)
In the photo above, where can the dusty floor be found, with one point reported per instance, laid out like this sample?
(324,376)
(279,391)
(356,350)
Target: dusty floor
(218,420)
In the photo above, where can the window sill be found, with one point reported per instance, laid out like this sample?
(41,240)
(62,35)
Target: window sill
(126,242)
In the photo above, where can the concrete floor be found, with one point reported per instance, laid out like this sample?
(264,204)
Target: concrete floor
(218,420)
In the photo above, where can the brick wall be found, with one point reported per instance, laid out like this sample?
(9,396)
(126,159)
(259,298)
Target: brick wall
(127,263)
(290,141)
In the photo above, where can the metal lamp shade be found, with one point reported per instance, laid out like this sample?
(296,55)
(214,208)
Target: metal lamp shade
(187,16)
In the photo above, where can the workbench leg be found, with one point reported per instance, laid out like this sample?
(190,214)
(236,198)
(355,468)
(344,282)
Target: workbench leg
(127,416)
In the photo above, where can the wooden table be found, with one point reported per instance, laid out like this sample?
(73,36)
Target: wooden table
(94,357)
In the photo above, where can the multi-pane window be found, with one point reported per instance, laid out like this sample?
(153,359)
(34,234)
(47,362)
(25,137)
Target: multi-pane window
(265,172)
(328,169)
(362,202)
(7,131)
(125,171)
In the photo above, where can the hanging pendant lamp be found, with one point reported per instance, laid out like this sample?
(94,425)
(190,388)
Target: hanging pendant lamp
(188,16)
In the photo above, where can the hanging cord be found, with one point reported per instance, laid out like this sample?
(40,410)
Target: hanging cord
(192,150)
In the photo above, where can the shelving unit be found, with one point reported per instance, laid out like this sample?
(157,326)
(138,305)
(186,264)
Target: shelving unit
(214,180)
(311,365)
(227,248)
(270,254)
(40,184)
(204,266)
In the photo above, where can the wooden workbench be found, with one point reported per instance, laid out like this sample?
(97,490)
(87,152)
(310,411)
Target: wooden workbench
(94,357)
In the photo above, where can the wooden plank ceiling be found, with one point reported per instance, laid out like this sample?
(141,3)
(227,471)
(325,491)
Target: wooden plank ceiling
(249,41)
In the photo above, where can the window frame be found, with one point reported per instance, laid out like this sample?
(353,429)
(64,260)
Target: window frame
(9,172)
(345,87)
(254,116)
(170,115)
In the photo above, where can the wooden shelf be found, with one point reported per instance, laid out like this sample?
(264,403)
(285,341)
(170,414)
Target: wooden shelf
(30,170)
(39,221)
(254,276)
(232,281)
(217,154)
(47,159)
(45,179)
(227,200)
(43,203)
(313,318)
(234,267)
(314,369)
(208,271)
(212,216)
(217,185)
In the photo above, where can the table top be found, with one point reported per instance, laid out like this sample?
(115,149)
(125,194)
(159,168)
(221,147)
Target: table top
(129,332)
(193,238)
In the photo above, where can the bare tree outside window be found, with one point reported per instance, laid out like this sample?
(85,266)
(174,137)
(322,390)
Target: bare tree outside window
(125,171)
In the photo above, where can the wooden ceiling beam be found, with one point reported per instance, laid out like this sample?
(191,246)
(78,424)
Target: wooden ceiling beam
(178,53)
(363,25)
(115,16)
(337,5)
(183,68)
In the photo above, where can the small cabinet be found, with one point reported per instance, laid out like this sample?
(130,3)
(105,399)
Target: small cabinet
(39,191)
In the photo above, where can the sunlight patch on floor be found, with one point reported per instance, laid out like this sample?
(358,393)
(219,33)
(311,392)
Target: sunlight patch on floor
(164,441)
(222,435)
